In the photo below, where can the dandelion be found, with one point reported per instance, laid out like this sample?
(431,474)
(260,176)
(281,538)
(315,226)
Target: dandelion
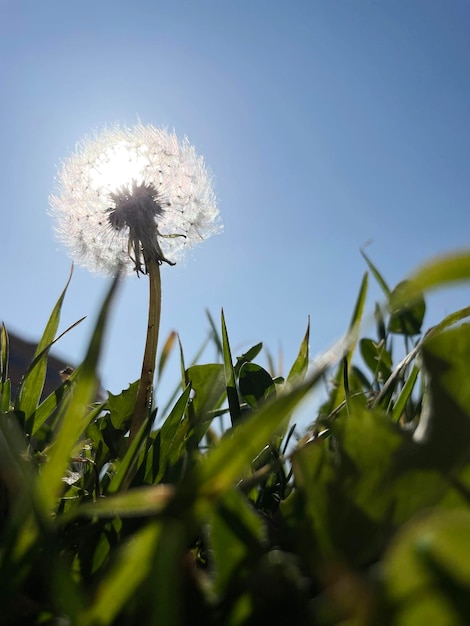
(131,200)
(129,195)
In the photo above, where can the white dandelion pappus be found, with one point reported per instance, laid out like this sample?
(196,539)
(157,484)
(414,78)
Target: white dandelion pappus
(129,195)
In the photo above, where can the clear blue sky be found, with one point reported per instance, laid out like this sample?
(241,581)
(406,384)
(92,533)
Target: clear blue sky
(325,123)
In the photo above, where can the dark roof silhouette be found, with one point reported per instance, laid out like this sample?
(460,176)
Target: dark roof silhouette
(20,357)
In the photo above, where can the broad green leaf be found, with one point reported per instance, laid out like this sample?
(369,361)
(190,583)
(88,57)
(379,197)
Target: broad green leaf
(347,492)
(407,319)
(208,385)
(427,570)
(362,484)
(255,384)
(444,428)
(382,471)
(121,406)
(209,389)
(377,358)
(32,384)
(75,416)
(366,443)
(232,393)
(248,356)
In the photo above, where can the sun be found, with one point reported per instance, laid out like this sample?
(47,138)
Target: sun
(119,165)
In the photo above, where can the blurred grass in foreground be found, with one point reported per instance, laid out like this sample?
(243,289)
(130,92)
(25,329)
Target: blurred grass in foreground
(206,518)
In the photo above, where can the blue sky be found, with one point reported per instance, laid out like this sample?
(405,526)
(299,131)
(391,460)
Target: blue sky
(326,124)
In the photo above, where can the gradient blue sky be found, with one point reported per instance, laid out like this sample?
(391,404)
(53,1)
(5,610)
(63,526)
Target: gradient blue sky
(325,123)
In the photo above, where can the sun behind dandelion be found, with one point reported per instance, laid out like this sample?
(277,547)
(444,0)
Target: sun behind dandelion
(132,199)
(130,195)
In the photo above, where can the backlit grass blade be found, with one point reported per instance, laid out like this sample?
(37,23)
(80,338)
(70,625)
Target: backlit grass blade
(215,334)
(441,271)
(449,320)
(5,386)
(26,511)
(166,351)
(137,502)
(76,416)
(232,393)
(338,394)
(50,404)
(405,394)
(166,575)
(4,345)
(32,384)
(230,460)
(359,305)
(300,365)
(130,569)
(124,474)
(234,453)
(377,275)
(171,435)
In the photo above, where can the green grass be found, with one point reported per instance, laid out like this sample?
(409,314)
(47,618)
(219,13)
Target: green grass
(364,519)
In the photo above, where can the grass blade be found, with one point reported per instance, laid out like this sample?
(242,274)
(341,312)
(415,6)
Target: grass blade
(75,417)
(299,368)
(4,349)
(232,393)
(131,568)
(441,271)
(377,275)
(234,453)
(32,384)
(405,393)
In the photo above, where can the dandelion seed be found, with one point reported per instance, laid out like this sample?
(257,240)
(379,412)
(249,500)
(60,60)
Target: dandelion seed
(127,196)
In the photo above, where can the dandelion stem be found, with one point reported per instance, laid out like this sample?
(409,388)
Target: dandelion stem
(143,403)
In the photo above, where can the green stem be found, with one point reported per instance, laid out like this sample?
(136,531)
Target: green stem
(143,403)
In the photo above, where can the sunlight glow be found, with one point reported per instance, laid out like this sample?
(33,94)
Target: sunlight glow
(118,165)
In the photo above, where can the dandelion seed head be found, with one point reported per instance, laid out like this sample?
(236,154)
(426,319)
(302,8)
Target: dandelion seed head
(127,195)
